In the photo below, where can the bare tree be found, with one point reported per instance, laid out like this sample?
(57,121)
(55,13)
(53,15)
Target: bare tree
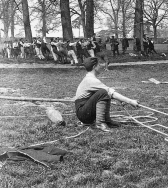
(127,15)
(111,8)
(47,13)
(155,11)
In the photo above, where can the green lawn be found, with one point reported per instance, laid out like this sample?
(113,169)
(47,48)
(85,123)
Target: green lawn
(129,157)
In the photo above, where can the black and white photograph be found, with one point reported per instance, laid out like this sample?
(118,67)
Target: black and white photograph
(83,93)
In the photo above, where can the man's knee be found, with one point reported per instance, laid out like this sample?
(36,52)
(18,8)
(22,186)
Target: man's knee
(103,94)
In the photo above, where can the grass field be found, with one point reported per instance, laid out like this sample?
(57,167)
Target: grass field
(129,157)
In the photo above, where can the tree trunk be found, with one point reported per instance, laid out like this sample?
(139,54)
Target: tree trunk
(155,32)
(44,27)
(6,30)
(123,20)
(138,21)
(26,21)
(6,20)
(12,20)
(89,18)
(66,20)
(82,16)
(116,31)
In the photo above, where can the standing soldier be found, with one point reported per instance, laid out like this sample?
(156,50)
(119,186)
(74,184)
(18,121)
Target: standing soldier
(8,48)
(91,46)
(44,49)
(71,52)
(80,50)
(52,49)
(114,45)
(15,49)
(145,45)
(38,48)
(21,46)
(125,44)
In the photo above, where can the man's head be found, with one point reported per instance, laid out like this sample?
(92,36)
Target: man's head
(92,63)
(81,40)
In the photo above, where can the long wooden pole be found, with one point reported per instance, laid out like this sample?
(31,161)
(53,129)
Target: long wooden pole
(35,99)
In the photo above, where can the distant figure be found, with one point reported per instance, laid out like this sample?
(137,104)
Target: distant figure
(114,46)
(38,48)
(81,53)
(44,49)
(151,47)
(8,48)
(21,46)
(91,47)
(71,52)
(15,50)
(4,51)
(125,44)
(145,45)
(94,38)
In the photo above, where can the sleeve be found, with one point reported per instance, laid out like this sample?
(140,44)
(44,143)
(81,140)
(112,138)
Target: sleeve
(94,46)
(97,84)
(38,42)
(72,44)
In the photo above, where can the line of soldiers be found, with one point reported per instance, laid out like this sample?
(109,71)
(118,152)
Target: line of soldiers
(61,51)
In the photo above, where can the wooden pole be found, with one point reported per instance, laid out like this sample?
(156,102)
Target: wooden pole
(35,99)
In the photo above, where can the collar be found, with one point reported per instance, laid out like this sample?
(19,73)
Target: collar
(91,74)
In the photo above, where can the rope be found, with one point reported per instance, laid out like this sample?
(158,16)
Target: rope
(66,137)
(149,127)
(124,118)
(153,110)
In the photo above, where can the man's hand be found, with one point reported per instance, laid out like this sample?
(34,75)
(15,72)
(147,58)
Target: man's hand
(134,103)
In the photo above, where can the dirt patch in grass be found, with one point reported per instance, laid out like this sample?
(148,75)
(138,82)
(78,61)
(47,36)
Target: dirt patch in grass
(131,156)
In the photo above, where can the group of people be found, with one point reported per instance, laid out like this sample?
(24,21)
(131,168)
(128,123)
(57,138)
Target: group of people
(22,48)
(75,51)
(148,46)
(61,51)
(114,43)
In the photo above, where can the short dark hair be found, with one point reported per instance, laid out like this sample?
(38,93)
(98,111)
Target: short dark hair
(90,62)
